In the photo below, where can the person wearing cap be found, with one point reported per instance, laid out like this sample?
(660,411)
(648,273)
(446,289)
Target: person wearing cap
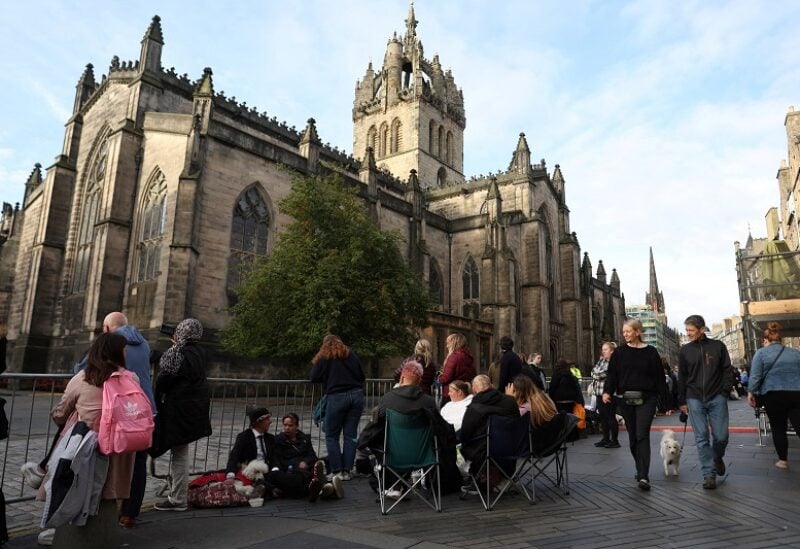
(704,382)
(510,363)
(253,443)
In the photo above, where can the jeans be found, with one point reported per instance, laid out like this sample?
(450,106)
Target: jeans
(782,406)
(132,505)
(638,420)
(343,413)
(713,412)
(179,470)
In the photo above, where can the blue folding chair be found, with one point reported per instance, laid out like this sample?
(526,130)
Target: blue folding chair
(409,445)
(508,440)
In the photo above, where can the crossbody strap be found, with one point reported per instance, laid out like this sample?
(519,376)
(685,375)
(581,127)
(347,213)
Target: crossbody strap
(766,371)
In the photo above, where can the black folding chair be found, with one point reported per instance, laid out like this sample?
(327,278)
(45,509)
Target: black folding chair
(508,440)
(549,447)
(409,445)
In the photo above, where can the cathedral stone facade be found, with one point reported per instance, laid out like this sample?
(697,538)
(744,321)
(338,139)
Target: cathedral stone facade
(165,188)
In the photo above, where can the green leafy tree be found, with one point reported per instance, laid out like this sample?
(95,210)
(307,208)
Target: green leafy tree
(332,271)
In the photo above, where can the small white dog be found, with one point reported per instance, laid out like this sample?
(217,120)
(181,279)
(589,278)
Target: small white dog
(670,453)
(255,470)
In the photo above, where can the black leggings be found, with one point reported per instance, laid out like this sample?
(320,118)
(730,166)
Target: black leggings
(608,420)
(781,406)
(638,420)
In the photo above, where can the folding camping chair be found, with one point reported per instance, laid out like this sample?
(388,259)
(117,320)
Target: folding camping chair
(507,439)
(408,445)
(549,446)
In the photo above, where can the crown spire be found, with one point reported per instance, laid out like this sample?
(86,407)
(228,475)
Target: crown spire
(654,297)
(411,22)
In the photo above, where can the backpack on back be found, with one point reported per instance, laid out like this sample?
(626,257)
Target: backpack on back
(126,421)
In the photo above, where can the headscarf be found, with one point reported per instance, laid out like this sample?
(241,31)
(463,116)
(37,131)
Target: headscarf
(189,329)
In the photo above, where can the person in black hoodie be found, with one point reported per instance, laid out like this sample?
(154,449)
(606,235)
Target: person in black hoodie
(565,389)
(487,401)
(339,370)
(510,363)
(183,401)
(636,366)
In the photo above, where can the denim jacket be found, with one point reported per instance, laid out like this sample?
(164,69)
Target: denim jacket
(784,375)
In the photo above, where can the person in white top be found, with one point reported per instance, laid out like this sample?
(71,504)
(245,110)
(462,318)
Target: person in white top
(460,398)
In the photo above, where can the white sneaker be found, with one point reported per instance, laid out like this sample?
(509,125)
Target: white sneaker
(393,494)
(32,474)
(46,537)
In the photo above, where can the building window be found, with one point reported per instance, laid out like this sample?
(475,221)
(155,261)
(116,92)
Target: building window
(91,201)
(441,177)
(154,221)
(249,233)
(372,139)
(397,135)
(470,282)
(440,143)
(450,148)
(384,140)
(431,137)
(435,286)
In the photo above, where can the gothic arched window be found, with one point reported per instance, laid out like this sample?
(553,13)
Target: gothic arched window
(470,283)
(441,177)
(431,137)
(435,285)
(372,139)
(440,143)
(384,139)
(450,148)
(153,223)
(91,202)
(249,233)
(397,135)
(549,262)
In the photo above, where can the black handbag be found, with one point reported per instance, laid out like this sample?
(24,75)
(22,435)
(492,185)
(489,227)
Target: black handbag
(633,398)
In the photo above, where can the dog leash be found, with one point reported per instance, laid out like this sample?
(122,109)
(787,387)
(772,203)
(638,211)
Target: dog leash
(685,425)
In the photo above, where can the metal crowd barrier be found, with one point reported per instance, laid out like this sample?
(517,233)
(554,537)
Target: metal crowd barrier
(30,397)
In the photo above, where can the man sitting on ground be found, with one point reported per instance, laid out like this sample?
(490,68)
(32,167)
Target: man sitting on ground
(257,443)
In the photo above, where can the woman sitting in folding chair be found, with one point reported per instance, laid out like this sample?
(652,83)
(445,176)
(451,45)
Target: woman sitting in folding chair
(531,399)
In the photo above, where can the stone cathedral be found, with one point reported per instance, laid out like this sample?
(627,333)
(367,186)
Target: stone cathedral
(165,187)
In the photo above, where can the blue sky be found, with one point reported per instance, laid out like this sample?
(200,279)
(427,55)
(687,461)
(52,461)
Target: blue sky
(666,117)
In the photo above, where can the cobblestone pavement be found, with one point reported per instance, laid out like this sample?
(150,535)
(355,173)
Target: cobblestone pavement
(756,506)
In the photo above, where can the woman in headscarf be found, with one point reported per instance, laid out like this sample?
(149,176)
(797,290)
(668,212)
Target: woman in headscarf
(182,397)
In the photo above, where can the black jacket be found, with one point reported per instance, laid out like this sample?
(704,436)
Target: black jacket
(510,367)
(293,453)
(244,451)
(565,387)
(704,370)
(473,429)
(338,376)
(183,402)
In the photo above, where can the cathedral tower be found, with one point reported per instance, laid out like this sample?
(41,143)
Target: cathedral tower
(411,113)
(654,297)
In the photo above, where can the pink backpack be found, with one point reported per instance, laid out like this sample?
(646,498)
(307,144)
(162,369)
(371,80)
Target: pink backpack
(126,422)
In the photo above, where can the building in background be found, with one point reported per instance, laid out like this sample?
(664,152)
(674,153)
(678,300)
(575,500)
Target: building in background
(730,332)
(166,188)
(653,317)
(768,269)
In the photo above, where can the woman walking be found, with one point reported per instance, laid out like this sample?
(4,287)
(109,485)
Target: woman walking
(339,370)
(775,376)
(608,417)
(636,378)
(183,402)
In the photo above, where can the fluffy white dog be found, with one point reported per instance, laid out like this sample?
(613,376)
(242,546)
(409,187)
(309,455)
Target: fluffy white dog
(255,470)
(670,453)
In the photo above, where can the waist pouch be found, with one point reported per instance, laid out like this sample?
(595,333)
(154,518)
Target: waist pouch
(633,398)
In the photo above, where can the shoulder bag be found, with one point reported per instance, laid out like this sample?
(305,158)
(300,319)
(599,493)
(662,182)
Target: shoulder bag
(760,398)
